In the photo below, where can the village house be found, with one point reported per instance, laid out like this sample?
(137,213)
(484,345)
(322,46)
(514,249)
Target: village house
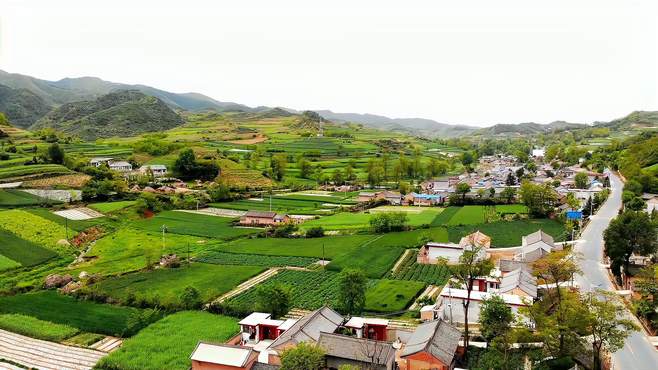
(392,197)
(98,161)
(120,166)
(651,201)
(519,282)
(432,346)
(437,187)
(362,353)
(263,218)
(259,326)
(212,356)
(367,327)
(158,170)
(535,246)
(423,199)
(432,253)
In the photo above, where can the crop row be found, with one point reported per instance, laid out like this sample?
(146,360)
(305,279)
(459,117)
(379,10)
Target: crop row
(411,270)
(225,258)
(32,170)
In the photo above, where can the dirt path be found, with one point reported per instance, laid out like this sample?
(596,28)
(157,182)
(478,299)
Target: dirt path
(40,354)
(401,259)
(249,284)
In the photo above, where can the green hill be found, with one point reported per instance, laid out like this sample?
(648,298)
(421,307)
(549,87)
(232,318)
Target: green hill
(122,113)
(21,106)
(527,128)
(635,120)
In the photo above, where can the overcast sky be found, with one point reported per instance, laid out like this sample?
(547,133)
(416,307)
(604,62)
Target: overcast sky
(468,62)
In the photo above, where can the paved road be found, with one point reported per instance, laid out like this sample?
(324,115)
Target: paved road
(638,353)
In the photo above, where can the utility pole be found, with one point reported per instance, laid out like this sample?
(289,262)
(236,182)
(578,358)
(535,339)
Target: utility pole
(323,263)
(67,228)
(188,254)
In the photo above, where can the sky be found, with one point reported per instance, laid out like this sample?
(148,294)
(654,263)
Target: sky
(478,62)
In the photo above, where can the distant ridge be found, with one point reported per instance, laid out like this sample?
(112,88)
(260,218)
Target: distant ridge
(527,128)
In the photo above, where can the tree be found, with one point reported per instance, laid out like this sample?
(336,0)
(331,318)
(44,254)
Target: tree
(315,232)
(188,168)
(556,268)
(511,179)
(631,232)
(508,194)
(305,168)
(3,120)
(540,199)
(278,165)
(303,356)
(383,222)
(607,324)
(352,291)
(467,159)
(463,188)
(581,180)
(375,173)
(55,154)
(274,299)
(190,298)
(470,267)
(495,318)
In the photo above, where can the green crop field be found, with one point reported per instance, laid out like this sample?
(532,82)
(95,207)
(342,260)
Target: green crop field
(429,274)
(346,220)
(392,295)
(374,259)
(17,198)
(34,228)
(37,169)
(279,204)
(168,343)
(167,284)
(313,247)
(60,309)
(35,328)
(186,223)
(509,233)
(73,225)
(226,258)
(310,290)
(109,207)
(22,251)
(511,208)
(468,215)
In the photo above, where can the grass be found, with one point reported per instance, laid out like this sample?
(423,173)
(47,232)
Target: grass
(22,251)
(7,263)
(186,223)
(35,328)
(167,284)
(509,233)
(392,295)
(109,207)
(17,198)
(168,343)
(313,247)
(129,250)
(84,339)
(60,309)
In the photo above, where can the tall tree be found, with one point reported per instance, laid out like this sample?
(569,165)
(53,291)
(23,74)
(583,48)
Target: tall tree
(581,180)
(631,232)
(608,324)
(55,154)
(278,165)
(463,188)
(303,356)
(471,266)
(352,291)
(540,199)
(274,299)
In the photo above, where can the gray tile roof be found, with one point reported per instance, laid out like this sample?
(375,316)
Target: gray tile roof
(309,327)
(506,265)
(437,337)
(520,278)
(262,366)
(538,236)
(357,349)
(260,214)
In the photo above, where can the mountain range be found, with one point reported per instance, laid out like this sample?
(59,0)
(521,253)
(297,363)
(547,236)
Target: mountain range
(26,100)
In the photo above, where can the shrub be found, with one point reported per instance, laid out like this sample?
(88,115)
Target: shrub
(315,232)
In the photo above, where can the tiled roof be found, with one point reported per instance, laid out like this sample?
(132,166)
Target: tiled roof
(357,349)
(519,278)
(309,327)
(260,214)
(437,337)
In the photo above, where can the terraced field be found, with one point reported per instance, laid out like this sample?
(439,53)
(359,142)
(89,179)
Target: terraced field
(186,223)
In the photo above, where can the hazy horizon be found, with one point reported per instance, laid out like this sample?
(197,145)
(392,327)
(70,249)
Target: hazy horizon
(508,62)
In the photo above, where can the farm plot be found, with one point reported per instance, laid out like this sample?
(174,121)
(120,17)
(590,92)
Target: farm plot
(429,274)
(468,215)
(37,169)
(7,264)
(329,246)
(168,343)
(60,309)
(34,228)
(129,250)
(361,220)
(392,295)
(75,225)
(509,233)
(79,214)
(17,198)
(164,286)
(225,258)
(309,290)
(374,259)
(22,251)
(35,328)
(279,204)
(186,223)
(109,207)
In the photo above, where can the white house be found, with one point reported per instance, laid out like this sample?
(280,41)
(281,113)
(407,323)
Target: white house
(158,170)
(534,246)
(98,161)
(450,307)
(538,153)
(432,252)
(120,166)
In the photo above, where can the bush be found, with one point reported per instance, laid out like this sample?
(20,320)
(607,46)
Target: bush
(388,221)
(315,232)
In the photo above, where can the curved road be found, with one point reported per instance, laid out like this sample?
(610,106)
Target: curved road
(638,353)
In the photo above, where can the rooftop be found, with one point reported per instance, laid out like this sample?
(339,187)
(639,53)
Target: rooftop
(437,337)
(222,354)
